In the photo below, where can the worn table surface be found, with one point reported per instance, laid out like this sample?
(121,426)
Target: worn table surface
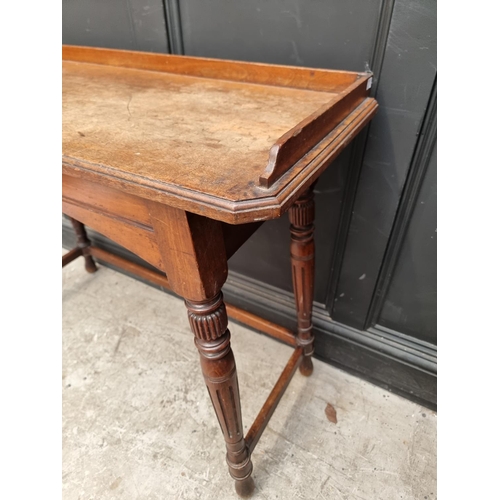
(233,141)
(208,135)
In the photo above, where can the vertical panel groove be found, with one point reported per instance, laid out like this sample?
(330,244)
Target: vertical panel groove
(174,27)
(377,59)
(357,156)
(131,22)
(406,79)
(418,168)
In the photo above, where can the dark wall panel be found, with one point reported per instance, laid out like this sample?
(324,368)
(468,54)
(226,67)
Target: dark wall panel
(318,33)
(405,85)
(117,24)
(410,302)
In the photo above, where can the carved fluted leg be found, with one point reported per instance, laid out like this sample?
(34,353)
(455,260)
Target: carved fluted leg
(301,216)
(195,260)
(208,320)
(84,243)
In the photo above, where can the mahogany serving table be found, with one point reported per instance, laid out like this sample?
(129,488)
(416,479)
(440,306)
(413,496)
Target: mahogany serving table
(180,159)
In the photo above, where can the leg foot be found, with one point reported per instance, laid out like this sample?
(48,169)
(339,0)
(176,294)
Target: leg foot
(90,266)
(306,367)
(245,487)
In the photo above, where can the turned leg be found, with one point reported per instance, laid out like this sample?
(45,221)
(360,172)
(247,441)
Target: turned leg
(195,260)
(84,243)
(301,216)
(208,320)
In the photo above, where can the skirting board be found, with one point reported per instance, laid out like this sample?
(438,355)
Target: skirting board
(390,360)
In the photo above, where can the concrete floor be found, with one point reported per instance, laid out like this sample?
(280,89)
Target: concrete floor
(137,420)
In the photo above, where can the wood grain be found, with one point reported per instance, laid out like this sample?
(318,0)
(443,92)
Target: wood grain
(204,67)
(102,199)
(265,414)
(203,136)
(210,136)
(304,136)
(128,266)
(192,249)
(122,217)
(137,239)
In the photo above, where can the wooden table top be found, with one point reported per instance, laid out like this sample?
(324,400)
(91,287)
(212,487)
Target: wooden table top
(233,141)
